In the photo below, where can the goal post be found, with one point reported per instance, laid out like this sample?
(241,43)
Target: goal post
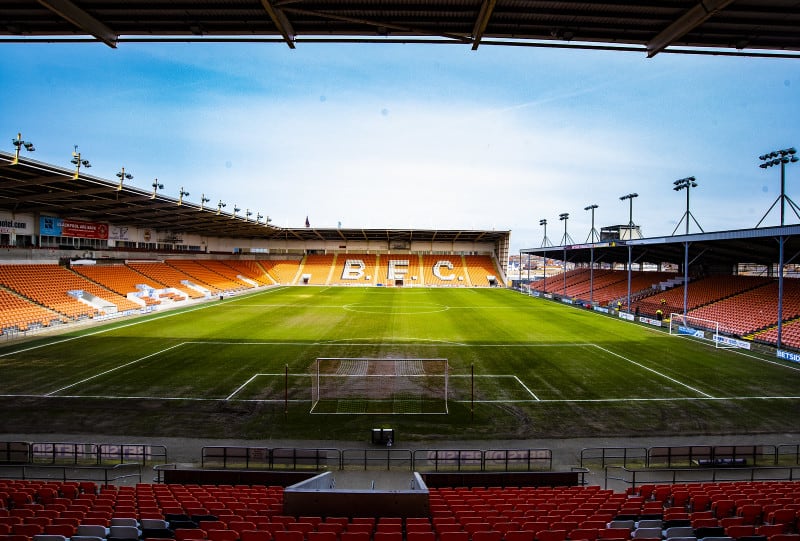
(697,327)
(364,385)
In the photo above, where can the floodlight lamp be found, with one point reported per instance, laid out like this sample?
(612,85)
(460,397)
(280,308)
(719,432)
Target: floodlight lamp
(563,216)
(792,150)
(590,207)
(764,165)
(542,222)
(28,146)
(794,159)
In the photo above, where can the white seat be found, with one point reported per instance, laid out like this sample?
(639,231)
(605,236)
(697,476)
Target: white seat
(679,531)
(153,524)
(650,523)
(124,521)
(48,537)
(651,533)
(91,530)
(124,532)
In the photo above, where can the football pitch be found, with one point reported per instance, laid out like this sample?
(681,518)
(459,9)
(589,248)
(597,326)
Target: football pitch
(518,367)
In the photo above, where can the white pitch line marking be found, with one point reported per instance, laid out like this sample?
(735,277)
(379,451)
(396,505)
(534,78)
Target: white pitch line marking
(526,388)
(640,365)
(113,369)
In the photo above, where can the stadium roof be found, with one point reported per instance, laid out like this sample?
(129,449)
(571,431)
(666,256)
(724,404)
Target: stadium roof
(713,249)
(38,188)
(732,26)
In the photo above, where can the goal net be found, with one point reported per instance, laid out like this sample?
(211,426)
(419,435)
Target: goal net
(379,386)
(697,327)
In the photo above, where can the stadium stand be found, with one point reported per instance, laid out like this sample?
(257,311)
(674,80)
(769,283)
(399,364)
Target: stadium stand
(479,269)
(439,270)
(169,276)
(316,269)
(701,291)
(754,309)
(20,314)
(49,286)
(210,273)
(251,270)
(355,269)
(283,272)
(120,279)
(764,510)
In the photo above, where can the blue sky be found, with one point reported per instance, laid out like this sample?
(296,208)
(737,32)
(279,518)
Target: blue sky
(417,136)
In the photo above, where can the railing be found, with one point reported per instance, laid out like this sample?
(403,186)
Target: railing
(634,477)
(788,452)
(292,458)
(678,456)
(480,460)
(709,455)
(96,453)
(106,475)
(612,455)
(388,458)
(380,458)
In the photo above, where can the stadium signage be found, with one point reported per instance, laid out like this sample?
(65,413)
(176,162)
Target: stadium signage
(650,321)
(64,227)
(14,224)
(355,269)
(565,300)
(627,316)
(728,341)
(788,356)
(601,309)
(691,332)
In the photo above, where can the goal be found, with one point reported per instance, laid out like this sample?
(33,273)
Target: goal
(697,327)
(365,385)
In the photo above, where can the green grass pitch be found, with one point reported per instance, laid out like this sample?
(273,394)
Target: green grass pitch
(541,370)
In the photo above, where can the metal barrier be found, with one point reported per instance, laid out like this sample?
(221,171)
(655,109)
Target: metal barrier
(387,458)
(305,458)
(791,452)
(448,460)
(634,477)
(95,453)
(293,458)
(106,475)
(15,452)
(612,455)
(709,455)
(518,459)
(234,457)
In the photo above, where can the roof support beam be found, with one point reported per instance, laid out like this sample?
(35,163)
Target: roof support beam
(380,26)
(482,22)
(281,23)
(81,19)
(687,22)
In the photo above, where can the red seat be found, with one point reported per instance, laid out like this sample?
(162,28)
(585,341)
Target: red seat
(223,535)
(589,534)
(517,535)
(551,535)
(255,535)
(431,536)
(320,536)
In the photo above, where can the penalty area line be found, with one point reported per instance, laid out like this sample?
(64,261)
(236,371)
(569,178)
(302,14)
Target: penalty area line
(656,372)
(113,369)
(252,378)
